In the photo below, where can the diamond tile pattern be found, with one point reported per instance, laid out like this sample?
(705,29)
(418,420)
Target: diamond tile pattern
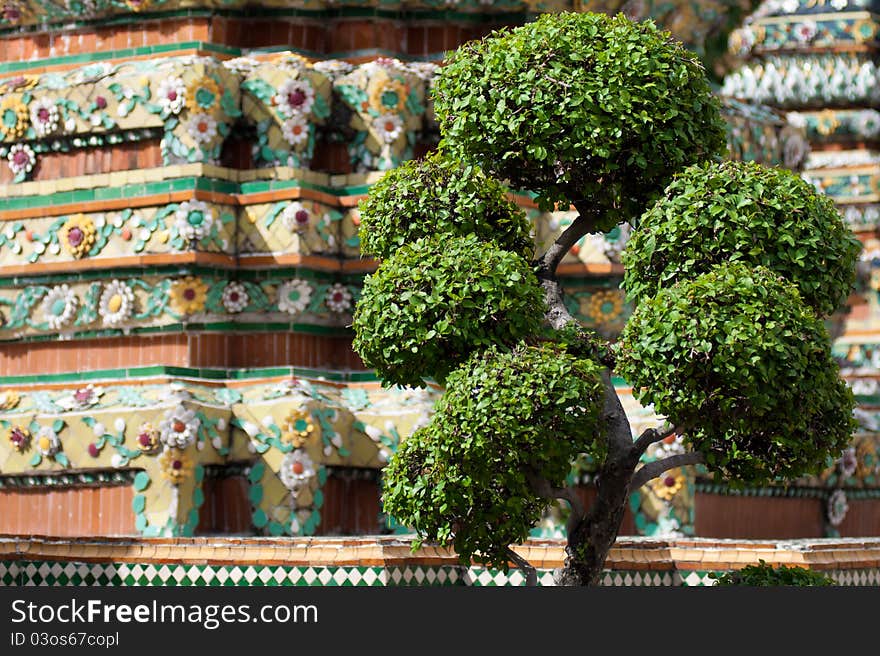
(43,573)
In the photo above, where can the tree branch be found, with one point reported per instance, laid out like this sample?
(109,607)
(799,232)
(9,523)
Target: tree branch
(581,226)
(653,435)
(557,314)
(541,487)
(619,432)
(654,469)
(528,570)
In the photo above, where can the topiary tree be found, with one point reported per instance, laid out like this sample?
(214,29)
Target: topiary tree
(733,268)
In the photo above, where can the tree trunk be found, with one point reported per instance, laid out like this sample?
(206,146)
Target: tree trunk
(592,537)
(591,540)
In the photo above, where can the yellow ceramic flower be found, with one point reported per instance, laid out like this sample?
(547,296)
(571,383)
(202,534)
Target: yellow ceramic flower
(14,117)
(19,437)
(202,95)
(147,438)
(827,122)
(864,30)
(605,305)
(388,96)
(866,459)
(9,399)
(78,235)
(667,485)
(188,295)
(297,427)
(290,58)
(138,5)
(175,465)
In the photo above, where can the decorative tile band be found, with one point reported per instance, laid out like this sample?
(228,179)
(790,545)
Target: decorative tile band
(802,31)
(379,109)
(137,375)
(72,480)
(48,573)
(799,81)
(835,125)
(145,302)
(705,487)
(196,100)
(159,438)
(856,184)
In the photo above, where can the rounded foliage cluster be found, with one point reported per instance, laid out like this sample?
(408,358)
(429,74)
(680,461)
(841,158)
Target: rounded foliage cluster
(433,302)
(736,357)
(579,106)
(764,575)
(436,195)
(744,212)
(505,416)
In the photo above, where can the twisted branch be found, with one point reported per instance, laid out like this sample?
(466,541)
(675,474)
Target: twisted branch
(654,469)
(653,435)
(530,572)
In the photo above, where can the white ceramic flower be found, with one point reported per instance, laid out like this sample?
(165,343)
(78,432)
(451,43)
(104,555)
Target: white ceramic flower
(849,462)
(242,65)
(295,217)
(294,296)
(21,158)
(171,94)
(295,130)
(338,298)
(837,507)
(868,123)
(295,97)
(671,446)
(193,220)
(296,469)
(48,443)
(202,128)
(806,31)
(175,393)
(424,70)
(235,297)
(59,306)
(116,303)
(84,397)
(333,68)
(44,116)
(388,127)
(179,428)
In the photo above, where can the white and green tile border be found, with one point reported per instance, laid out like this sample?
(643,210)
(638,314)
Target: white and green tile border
(71,573)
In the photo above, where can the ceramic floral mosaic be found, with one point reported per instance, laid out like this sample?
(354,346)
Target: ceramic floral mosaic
(287,430)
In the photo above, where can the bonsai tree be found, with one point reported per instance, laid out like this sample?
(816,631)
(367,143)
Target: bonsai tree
(732,268)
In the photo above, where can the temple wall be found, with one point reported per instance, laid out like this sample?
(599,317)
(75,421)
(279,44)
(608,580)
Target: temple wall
(179,263)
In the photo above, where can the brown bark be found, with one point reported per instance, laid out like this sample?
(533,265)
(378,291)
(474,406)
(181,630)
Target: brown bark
(592,537)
